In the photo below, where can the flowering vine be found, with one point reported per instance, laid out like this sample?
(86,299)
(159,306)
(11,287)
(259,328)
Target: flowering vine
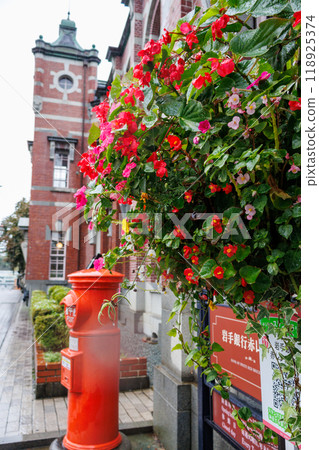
(205,130)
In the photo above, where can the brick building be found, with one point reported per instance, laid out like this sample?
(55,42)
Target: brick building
(65,83)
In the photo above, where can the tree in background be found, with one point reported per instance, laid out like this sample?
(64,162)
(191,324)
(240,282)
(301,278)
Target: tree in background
(12,236)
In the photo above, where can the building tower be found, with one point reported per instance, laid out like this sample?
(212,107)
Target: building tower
(65,80)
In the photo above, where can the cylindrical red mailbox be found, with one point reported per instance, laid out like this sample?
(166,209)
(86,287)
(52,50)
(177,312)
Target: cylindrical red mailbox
(90,367)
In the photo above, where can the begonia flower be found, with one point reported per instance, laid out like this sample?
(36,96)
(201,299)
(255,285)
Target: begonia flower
(204,126)
(263,76)
(188,196)
(249,297)
(99,264)
(234,124)
(219,272)
(243,179)
(80,197)
(230,250)
(251,108)
(294,169)
(295,105)
(297,16)
(250,211)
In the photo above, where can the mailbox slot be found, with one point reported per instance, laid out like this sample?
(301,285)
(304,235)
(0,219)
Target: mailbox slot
(71,370)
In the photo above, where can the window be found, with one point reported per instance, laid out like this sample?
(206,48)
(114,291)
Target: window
(57,255)
(61,168)
(65,82)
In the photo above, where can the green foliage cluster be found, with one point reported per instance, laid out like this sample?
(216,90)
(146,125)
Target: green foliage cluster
(48,320)
(12,236)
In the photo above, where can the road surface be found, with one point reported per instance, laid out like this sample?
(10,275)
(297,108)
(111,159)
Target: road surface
(9,302)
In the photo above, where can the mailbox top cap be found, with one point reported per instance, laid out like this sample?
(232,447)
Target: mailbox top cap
(103,275)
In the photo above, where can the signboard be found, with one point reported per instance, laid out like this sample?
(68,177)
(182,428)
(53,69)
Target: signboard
(272,396)
(222,416)
(240,357)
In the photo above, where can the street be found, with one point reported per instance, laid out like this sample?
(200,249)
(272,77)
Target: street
(9,300)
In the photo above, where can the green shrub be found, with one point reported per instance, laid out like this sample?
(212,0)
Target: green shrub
(57,293)
(51,330)
(48,319)
(52,357)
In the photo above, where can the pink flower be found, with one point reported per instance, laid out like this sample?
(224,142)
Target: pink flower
(186,28)
(91,225)
(250,109)
(234,124)
(263,76)
(80,197)
(233,100)
(107,137)
(294,169)
(287,156)
(127,171)
(114,196)
(245,134)
(98,264)
(250,211)
(243,179)
(265,100)
(120,185)
(196,140)
(204,126)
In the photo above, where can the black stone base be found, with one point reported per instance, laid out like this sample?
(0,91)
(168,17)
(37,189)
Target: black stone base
(124,445)
(52,389)
(134,383)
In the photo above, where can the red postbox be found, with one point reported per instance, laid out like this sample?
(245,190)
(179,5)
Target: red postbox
(90,367)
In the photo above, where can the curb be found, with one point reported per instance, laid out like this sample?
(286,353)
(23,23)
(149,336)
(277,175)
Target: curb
(29,441)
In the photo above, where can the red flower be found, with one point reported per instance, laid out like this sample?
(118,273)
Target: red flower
(188,196)
(195,249)
(200,81)
(178,232)
(143,127)
(249,297)
(216,224)
(167,276)
(226,67)
(214,63)
(243,282)
(295,105)
(297,16)
(218,25)
(187,251)
(152,158)
(214,188)
(191,39)
(194,260)
(186,28)
(175,210)
(189,276)
(228,188)
(166,38)
(230,250)
(219,272)
(160,167)
(174,142)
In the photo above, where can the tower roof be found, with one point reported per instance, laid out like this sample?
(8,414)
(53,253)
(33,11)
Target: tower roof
(66,46)
(67,35)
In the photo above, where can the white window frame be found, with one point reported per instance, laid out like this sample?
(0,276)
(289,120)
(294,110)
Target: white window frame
(61,237)
(55,182)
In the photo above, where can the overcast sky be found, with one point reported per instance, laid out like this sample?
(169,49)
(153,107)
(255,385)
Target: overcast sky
(98,22)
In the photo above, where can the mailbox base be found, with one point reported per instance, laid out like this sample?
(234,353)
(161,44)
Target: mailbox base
(57,444)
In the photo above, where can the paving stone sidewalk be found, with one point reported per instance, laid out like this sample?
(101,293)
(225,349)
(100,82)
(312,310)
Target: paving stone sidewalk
(22,415)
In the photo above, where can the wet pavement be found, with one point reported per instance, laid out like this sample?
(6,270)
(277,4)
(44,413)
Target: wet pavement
(25,421)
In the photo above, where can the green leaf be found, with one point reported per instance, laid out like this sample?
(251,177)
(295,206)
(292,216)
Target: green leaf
(211,376)
(249,273)
(216,347)
(149,167)
(116,88)
(220,162)
(207,269)
(177,347)
(262,283)
(244,413)
(150,119)
(172,332)
(273,268)
(229,270)
(242,253)
(225,84)
(252,162)
(194,112)
(285,230)
(94,134)
(295,5)
(260,203)
(240,7)
(208,14)
(188,125)
(268,7)
(292,260)
(171,106)
(256,42)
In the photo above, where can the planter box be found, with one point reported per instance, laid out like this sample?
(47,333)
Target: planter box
(133,375)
